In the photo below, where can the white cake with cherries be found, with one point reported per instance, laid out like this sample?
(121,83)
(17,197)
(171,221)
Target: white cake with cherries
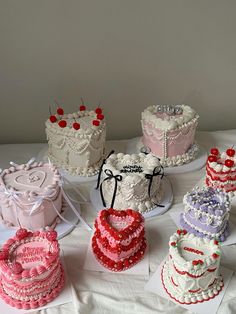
(77,141)
(131,181)
(30,195)
(168,133)
(191,273)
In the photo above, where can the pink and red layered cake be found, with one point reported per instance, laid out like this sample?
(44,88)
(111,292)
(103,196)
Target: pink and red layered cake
(30,195)
(168,133)
(119,238)
(221,170)
(30,269)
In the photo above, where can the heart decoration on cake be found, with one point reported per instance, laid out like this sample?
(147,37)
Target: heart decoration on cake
(31,179)
(118,242)
(121,223)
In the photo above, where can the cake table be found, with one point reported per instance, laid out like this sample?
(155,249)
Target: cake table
(108,293)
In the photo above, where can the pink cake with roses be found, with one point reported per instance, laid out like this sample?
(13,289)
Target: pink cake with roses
(169,133)
(119,240)
(30,269)
(30,195)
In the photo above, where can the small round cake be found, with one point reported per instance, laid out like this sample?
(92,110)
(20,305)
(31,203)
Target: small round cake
(168,133)
(119,240)
(221,170)
(30,269)
(206,213)
(191,273)
(131,181)
(77,141)
(30,195)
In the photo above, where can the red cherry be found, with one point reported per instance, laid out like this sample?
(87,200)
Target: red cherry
(184,231)
(100,116)
(200,262)
(51,235)
(215,151)
(21,233)
(98,110)
(216,242)
(60,111)
(214,255)
(179,231)
(212,158)
(229,163)
(96,122)
(230,152)
(76,125)
(53,119)
(173,244)
(195,262)
(62,123)
(82,108)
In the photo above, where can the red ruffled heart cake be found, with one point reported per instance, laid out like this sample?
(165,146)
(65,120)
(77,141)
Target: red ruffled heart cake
(119,238)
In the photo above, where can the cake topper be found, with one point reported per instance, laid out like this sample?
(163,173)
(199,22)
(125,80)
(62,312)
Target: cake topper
(169,109)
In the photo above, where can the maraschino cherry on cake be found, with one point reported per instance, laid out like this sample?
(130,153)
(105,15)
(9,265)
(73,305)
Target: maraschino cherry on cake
(77,141)
(119,240)
(191,273)
(221,169)
(30,269)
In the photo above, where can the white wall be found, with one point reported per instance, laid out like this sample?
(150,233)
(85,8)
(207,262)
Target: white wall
(126,54)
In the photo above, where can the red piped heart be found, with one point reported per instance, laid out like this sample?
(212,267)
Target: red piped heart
(113,228)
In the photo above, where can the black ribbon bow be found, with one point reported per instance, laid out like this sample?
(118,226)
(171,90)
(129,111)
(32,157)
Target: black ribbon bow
(110,176)
(157,171)
(101,167)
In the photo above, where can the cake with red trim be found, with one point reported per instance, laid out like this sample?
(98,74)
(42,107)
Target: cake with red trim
(30,195)
(119,240)
(191,273)
(221,169)
(30,268)
(206,213)
(169,132)
(77,141)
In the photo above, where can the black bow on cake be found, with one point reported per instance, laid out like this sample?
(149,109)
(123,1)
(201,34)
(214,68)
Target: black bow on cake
(117,179)
(101,167)
(157,171)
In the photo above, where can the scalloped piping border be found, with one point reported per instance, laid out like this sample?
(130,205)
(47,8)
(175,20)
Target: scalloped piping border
(143,247)
(26,305)
(74,170)
(177,300)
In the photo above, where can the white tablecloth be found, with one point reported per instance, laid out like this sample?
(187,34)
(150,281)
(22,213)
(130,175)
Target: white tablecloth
(95,292)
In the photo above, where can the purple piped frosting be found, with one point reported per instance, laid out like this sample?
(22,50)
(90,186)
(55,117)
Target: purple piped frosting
(206,213)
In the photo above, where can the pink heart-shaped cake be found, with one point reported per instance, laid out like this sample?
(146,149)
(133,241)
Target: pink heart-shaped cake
(118,241)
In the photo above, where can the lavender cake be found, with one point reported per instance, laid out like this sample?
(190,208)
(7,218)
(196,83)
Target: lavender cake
(206,213)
